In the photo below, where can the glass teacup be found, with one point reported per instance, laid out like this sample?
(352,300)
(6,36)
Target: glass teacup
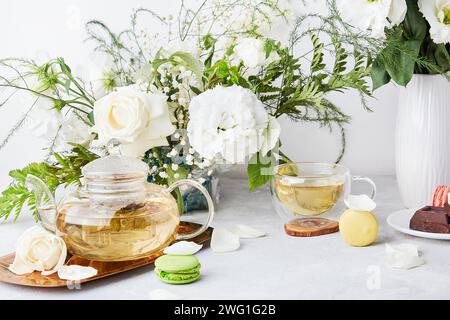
(306,189)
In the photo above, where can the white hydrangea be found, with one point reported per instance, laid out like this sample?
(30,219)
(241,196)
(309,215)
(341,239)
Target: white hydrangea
(230,124)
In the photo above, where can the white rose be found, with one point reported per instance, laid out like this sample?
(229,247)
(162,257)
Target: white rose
(231,124)
(38,250)
(373,15)
(138,120)
(437,13)
(251,52)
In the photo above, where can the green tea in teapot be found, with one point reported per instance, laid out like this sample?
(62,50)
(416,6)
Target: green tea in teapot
(129,233)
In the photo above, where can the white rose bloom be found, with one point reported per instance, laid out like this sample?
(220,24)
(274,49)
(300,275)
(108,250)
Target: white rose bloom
(373,15)
(437,13)
(38,250)
(138,120)
(251,52)
(231,124)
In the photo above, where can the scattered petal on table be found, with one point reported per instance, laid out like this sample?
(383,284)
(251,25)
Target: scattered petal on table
(75,272)
(183,248)
(244,231)
(361,202)
(403,256)
(163,294)
(223,240)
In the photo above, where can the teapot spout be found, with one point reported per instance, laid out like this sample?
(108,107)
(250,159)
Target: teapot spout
(44,201)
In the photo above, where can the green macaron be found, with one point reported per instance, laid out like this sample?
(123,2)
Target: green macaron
(176,269)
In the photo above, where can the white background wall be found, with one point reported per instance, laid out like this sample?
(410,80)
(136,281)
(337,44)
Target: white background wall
(35,29)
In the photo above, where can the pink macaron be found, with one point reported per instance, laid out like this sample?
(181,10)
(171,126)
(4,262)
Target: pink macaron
(440,196)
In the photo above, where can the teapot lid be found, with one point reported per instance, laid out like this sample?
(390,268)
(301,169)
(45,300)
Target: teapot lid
(115,167)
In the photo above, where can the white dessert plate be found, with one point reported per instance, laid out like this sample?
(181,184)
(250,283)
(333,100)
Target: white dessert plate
(399,220)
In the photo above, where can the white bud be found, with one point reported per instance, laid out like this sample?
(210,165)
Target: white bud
(163,175)
(174,167)
(172,153)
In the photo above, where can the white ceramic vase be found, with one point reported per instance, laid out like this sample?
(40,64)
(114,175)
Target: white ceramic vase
(422,142)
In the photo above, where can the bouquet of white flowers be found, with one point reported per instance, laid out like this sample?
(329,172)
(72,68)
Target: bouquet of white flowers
(206,91)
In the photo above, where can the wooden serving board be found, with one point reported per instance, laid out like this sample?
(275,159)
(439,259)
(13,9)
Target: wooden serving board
(105,269)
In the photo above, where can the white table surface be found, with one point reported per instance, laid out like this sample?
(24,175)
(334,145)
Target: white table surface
(276,266)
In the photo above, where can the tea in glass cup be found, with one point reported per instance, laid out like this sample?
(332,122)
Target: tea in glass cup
(305,190)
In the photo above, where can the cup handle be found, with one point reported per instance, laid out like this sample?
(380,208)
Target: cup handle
(369,181)
(205,192)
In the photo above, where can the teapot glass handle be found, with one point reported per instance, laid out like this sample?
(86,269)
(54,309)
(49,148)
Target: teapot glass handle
(205,192)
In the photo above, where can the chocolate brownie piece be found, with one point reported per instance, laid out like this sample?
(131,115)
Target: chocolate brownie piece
(431,219)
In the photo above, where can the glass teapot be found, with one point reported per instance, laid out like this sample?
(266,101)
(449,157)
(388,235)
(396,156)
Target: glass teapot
(116,215)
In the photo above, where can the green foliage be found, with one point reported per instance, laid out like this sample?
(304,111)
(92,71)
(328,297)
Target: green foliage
(68,167)
(66,170)
(17,195)
(409,49)
(259,170)
(317,60)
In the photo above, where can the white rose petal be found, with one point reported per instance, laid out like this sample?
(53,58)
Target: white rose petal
(183,248)
(138,120)
(38,250)
(360,203)
(247,232)
(223,240)
(437,13)
(76,272)
(403,256)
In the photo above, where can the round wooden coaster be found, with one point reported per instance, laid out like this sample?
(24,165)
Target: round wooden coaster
(310,227)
